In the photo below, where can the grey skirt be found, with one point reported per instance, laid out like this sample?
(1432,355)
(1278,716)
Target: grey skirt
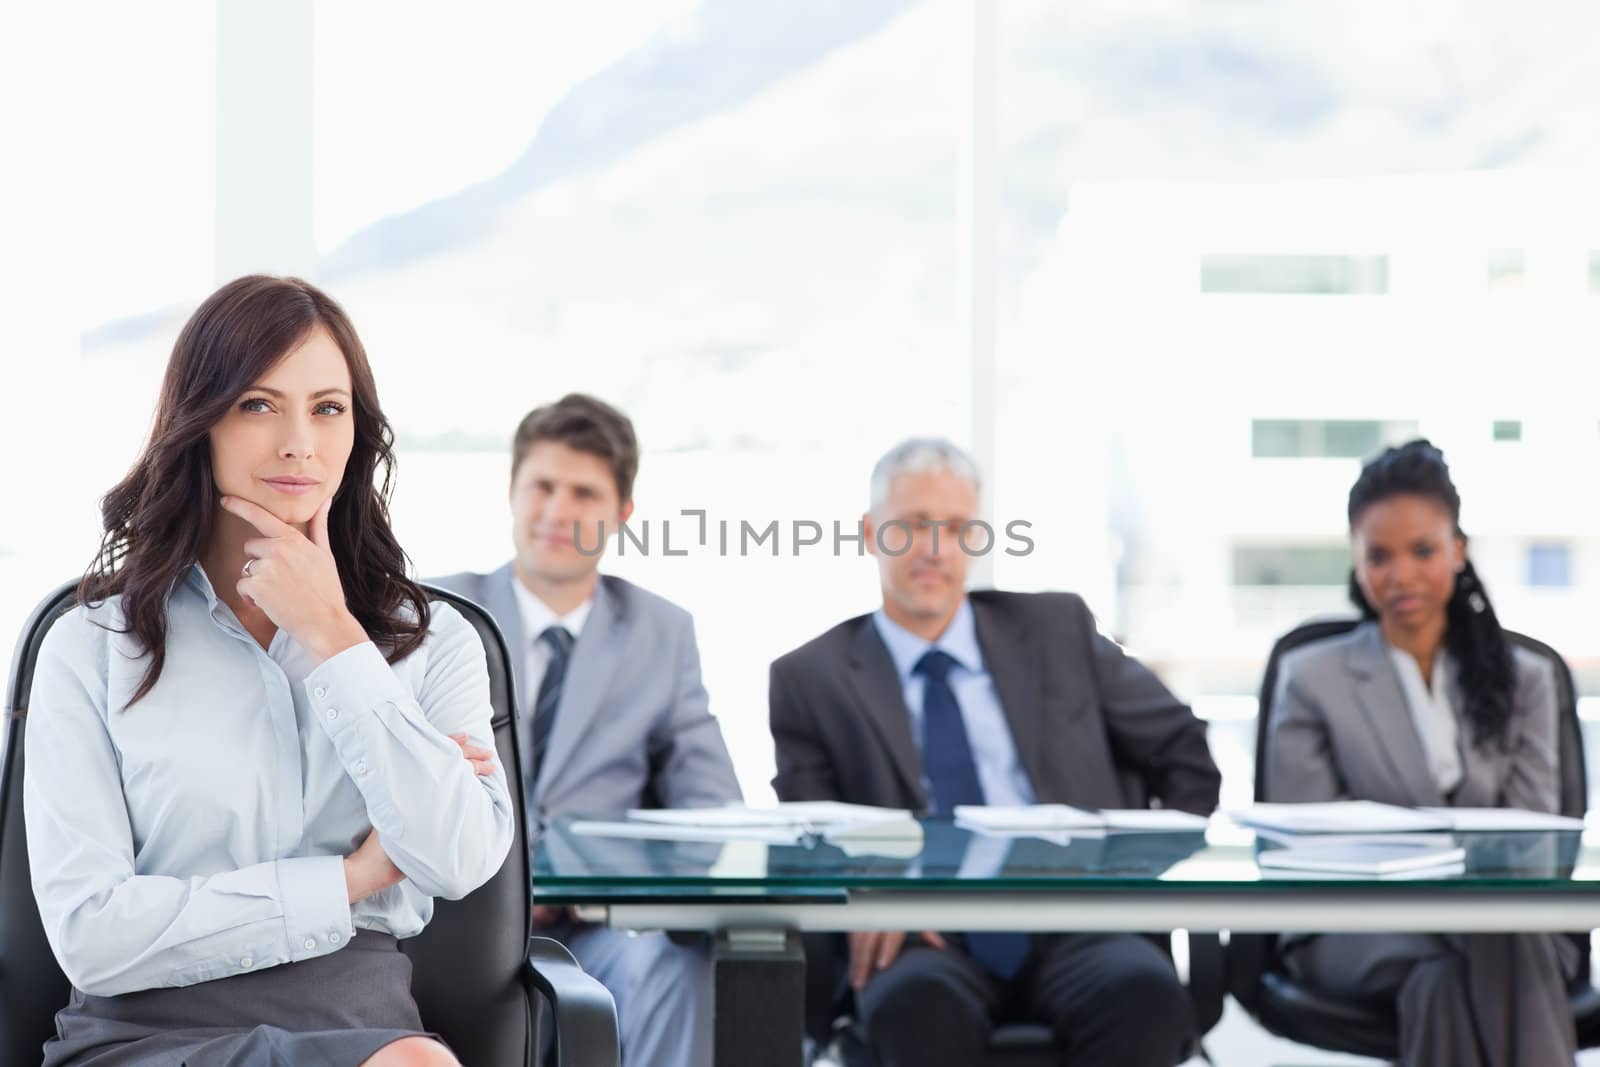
(331,1011)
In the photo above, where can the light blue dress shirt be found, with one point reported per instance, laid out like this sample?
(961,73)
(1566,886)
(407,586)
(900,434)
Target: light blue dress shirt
(1000,772)
(202,832)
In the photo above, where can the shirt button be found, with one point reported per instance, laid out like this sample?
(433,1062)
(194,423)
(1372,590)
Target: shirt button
(333,938)
(311,942)
(321,691)
(246,962)
(361,767)
(333,713)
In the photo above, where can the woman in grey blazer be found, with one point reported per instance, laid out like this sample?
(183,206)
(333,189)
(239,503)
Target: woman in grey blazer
(1426,704)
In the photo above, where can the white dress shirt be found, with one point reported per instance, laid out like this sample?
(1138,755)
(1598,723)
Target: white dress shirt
(1434,715)
(536,618)
(201,832)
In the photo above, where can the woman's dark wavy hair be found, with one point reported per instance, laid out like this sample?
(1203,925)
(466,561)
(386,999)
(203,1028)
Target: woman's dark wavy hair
(158,519)
(1472,632)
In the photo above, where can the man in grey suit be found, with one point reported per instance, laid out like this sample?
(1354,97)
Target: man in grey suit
(942,698)
(611,710)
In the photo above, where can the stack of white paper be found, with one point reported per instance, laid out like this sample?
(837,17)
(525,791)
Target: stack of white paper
(1338,817)
(808,816)
(856,828)
(1369,817)
(1153,820)
(666,831)
(1375,857)
(1503,820)
(1003,820)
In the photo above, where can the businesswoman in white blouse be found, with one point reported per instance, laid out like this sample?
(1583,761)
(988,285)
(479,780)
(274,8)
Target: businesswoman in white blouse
(255,754)
(1427,704)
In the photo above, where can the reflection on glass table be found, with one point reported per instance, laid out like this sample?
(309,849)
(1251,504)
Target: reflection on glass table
(1133,881)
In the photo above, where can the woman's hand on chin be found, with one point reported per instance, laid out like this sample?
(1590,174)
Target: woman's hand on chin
(294,580)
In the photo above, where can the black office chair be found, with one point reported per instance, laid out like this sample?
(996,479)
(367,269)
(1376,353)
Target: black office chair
(1255,972)
(1032,1044)
(476,973)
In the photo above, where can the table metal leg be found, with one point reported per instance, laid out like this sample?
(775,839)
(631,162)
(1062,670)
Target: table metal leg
(759,978)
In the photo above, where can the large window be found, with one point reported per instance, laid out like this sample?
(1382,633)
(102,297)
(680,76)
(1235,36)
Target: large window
(1550,566)
(1294,274)
(1508,268)
(1290,564)
(1242,254)
(690,210)
(1338,438)
(106,234)
(1234,256)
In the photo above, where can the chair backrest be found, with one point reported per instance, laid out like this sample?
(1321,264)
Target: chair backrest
(467,965)
(1574,773)
(1574,779)
(1304,634)
(32,987)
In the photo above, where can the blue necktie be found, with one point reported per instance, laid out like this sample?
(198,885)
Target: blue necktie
(544,708)
(953,776)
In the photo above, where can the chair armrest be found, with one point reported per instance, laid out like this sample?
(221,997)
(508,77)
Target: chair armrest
(584,1013)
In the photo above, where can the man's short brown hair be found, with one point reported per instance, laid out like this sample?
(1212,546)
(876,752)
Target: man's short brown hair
(583,424)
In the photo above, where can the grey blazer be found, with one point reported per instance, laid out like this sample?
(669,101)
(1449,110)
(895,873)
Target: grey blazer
(633,728)
(1340,729)
(1092,725)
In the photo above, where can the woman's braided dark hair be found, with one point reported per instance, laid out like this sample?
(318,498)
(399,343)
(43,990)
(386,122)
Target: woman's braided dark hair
(1473,636)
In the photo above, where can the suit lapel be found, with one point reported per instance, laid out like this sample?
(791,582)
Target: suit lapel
(595,657)
(501,601)
(1014,662)
(1381,699)
(877,685)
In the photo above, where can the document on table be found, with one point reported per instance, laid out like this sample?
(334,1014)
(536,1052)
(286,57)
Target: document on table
(1442,839)
(805,815)
(1375,856)
(1153,820)
(1503,820)
(1368,817)
(1420,874)
(858,829)
(662,831)
(1055,819)
(1338,817)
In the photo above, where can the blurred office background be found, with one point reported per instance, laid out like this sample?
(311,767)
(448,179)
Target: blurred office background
(1171,268)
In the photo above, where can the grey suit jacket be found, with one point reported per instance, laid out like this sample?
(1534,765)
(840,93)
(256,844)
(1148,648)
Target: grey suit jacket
(1340,729)
(1092,725)
(633,728)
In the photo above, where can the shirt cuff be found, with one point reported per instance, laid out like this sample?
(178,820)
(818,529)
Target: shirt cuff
(316,905)
(353,681)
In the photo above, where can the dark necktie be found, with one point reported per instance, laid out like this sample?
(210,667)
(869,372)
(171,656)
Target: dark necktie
(953,776)
(544,708)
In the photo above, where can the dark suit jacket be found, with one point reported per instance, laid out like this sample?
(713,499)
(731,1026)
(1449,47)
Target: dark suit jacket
(1093,727)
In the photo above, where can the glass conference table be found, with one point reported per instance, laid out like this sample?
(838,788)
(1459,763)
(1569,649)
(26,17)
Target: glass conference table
(757,896)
